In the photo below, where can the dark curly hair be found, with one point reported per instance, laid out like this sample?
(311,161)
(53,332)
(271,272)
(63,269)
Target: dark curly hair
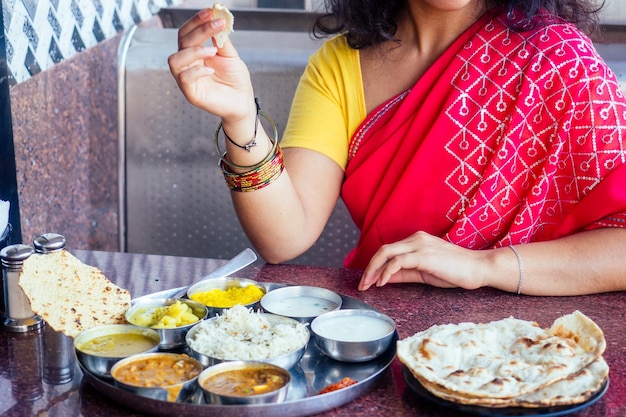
(370,22)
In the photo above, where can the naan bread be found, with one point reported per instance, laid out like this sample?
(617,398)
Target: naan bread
(221,12)
(503,359)
(70,295)
(575,389)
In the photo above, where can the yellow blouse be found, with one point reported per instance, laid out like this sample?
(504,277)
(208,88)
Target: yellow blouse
(328,105)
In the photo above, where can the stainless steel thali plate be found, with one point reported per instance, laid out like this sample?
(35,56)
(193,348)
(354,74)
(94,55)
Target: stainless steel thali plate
(314,372)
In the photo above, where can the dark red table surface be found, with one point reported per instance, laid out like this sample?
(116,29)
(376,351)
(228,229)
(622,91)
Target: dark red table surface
(24,391)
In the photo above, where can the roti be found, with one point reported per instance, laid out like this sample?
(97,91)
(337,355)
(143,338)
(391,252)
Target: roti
(70,295)
(221,12)
(575,389)
(499,362)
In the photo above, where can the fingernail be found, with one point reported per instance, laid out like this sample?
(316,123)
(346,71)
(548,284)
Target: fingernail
(218,23)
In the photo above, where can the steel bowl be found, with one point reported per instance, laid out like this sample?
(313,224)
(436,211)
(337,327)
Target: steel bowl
(223,283)
(173,337)
(171,391)
(212,396)
(100,363)
(301,302)
(353,335)
(287,360)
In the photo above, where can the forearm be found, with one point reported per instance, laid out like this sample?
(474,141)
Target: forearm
(274,220)
(284,218)
(584,263)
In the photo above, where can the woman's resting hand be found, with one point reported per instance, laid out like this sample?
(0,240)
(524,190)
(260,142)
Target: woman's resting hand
(587,262)
(424,258)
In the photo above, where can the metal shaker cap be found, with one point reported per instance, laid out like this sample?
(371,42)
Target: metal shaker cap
(13,256)
(49,242)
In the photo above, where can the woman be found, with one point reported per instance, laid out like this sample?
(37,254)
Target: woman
(448,127)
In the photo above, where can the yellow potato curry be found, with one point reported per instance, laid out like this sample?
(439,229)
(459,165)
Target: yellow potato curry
(175,315)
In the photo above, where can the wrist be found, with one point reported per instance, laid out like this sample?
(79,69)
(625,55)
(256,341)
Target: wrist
(250,155)
(242,130)
(502,269)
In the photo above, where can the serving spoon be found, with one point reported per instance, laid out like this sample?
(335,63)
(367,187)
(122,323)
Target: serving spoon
(237,263)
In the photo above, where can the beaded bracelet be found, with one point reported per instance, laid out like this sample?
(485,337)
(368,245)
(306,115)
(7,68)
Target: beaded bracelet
(256,178)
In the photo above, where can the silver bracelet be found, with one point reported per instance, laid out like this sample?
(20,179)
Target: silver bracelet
(521,269)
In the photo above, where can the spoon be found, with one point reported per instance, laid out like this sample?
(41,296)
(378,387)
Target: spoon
(240,261)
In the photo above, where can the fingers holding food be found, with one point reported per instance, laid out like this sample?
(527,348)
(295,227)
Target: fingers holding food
(216,22)
(191,57)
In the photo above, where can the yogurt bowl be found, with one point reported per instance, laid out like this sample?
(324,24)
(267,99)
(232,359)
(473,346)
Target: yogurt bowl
(301,302)
(353,335)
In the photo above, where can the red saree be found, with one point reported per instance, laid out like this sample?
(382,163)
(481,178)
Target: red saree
(510,137)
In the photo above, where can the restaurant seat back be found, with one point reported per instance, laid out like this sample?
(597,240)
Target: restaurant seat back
(173,198)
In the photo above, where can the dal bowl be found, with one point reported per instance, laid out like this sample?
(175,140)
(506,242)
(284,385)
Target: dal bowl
(353,335)
(99,348)
(244,382)
(301,302)
(161,376)
(219,294)
(170,317)
(241,334)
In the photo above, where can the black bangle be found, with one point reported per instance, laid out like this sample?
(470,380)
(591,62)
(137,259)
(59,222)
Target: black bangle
(252,143)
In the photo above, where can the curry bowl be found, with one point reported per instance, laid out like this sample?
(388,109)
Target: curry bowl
(161,376)
(99,348)
(301,302)
(244,383)
(353,335)
(170,317)
(244,335)
(219,294)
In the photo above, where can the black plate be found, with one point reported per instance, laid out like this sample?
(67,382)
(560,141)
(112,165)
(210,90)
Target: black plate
(423,393)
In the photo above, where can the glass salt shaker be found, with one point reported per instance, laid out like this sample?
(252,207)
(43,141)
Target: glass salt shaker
(24,354)
(59,355)
(18,314)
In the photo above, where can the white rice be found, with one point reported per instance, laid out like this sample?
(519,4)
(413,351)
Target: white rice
(241,334)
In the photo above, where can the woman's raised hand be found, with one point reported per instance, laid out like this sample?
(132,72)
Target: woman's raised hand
(213,79)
